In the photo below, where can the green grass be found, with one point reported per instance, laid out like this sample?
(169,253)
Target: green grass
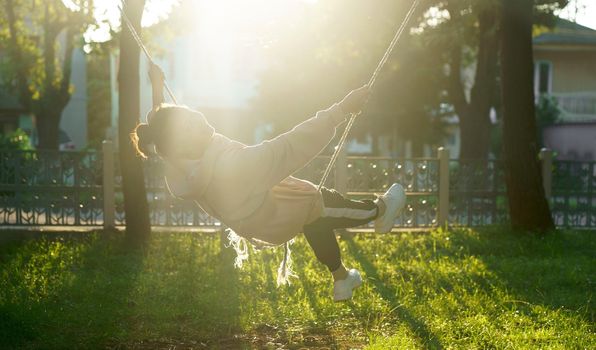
(459,289)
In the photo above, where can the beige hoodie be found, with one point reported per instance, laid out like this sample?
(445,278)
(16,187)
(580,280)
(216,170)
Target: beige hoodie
(250,188)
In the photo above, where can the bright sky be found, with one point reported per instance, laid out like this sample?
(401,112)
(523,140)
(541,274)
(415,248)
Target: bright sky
(585,15)
(107,13)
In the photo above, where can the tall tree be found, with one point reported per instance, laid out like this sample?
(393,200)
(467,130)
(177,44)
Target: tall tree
(528,207)
(468,39)
(41,65)
(136,208)
(473,111)
(336,49)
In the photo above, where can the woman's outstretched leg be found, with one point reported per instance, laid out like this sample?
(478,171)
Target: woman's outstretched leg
(341,212)
(324,244)
(338,212)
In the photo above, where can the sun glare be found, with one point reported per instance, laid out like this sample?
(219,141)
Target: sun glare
(246,20)
(581,11)
(107,15)
(222,18)
(228,41)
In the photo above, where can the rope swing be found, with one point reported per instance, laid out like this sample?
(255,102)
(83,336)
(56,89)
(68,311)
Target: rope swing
(285,271)
(140,44)
(371,83)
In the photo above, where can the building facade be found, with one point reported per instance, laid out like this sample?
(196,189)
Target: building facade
(565,68)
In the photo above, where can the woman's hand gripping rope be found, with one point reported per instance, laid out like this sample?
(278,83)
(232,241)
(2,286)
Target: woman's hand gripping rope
(355,100)
(158,78)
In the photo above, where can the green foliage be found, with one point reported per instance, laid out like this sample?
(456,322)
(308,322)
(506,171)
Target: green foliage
(547,113)
(447,289)
(338,46)
(462,28)
(465,41)
(99,107)
(336,49)
(544,11)
(30,54)
(39,40)
(17,140)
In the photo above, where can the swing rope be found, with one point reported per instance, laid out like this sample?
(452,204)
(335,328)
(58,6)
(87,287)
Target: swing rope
(137,38)
(353,116)
(285,269)
(370,84)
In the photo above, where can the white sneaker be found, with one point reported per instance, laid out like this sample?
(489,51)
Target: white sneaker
(395,201)
(342,289)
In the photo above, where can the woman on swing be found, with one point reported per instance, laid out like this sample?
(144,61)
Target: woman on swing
(250,188)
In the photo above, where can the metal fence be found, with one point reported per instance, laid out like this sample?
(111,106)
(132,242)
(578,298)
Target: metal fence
(50,188)
(573,197)
(477,193)
(40,188)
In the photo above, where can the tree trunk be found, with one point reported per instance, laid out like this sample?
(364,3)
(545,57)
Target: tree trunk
(474,116)
(474,129)
(528,207)
(48,129)
(136,208)
(53,86)
(55,96)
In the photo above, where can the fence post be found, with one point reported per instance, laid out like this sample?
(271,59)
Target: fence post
(341,168)
(109,205)
(546,156)
(443,187)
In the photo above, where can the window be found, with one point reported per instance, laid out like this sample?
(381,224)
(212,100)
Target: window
(543,78)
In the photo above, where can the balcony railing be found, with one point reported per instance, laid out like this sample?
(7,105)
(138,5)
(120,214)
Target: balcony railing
(577,106)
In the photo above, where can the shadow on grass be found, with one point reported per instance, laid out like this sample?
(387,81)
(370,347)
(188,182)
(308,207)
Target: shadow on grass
(189,295)
(310,292)
(554,270)
(67,289)
(304,334)
(417,326)
(325,337)
(95,290)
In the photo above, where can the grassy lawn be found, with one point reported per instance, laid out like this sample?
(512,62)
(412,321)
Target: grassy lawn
(457,289)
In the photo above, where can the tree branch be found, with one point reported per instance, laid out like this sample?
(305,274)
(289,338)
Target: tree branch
(25,96)
(64,91)
(49,50)
(486,67)
(455,87)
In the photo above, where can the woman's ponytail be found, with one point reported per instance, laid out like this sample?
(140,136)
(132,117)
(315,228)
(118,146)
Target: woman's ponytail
(142,138)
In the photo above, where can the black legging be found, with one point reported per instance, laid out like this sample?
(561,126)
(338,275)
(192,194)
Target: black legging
(338,212)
